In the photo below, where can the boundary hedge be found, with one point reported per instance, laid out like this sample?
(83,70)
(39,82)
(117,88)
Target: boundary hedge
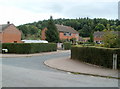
(67,45)
(27,48)
(94,55)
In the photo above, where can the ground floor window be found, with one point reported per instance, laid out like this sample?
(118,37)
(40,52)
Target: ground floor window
(15,41)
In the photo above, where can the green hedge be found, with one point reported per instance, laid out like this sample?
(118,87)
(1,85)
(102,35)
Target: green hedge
(27,48)
(67,45)
(98,56)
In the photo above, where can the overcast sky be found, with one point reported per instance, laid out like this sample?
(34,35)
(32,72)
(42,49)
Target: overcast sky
(27,11)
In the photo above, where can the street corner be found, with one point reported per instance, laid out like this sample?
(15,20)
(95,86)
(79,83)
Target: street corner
(77,67)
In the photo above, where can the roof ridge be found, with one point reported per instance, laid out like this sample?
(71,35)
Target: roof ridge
(64,28)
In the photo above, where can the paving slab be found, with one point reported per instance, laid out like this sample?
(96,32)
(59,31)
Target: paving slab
(67,64)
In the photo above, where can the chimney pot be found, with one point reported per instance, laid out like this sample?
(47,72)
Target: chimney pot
(8,22)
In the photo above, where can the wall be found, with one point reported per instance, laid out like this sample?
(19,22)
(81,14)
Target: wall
(11,34)
(0,37)
(97,39)
(43,37)
(62,36)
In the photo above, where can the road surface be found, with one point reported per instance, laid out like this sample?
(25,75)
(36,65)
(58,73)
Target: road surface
(31,72)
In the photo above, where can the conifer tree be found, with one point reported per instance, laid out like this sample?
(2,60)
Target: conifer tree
(91,38)
(52,34)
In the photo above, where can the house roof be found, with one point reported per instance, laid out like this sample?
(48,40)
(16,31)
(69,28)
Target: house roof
(62,28)
(4,26)
(98,34)
(119,34)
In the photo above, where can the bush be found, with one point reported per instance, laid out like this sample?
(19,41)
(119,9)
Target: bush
(98,56)
(110,39)
(67,45)
(27,48)
(100,45)
(79,42)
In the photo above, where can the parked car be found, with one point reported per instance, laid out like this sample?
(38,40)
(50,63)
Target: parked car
(4,50)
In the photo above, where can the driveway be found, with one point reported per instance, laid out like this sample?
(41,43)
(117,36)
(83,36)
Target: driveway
(31,72)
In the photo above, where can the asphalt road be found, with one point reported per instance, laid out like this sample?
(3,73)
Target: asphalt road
(31,72)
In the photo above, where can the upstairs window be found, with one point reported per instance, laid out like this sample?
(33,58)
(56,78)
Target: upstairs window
(67,34)
(77,35)
(64,34)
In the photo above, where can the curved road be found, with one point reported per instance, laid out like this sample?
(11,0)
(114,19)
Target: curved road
(31,72)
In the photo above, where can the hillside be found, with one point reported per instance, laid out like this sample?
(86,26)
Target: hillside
(83,25)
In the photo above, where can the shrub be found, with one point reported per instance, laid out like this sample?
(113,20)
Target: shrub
(110,39)
(67,45)
(100,45)
(98,56)
(79,42)
(27,48)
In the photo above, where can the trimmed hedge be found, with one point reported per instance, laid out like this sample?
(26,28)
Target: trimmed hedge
(98,56)
(27,48)
(67,45)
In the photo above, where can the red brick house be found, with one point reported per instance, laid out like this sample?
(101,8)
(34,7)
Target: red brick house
(65,32)
(98,36)
(9,34)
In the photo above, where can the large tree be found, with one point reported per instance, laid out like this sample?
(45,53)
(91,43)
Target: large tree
(91,37)
(83,25)
(52,34)
(99,27)
(110,39)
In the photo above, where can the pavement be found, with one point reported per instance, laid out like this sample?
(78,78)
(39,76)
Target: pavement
(77,67)
(30,55)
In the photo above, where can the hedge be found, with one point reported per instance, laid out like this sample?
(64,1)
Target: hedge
(98,56)
(27,48)
(67,45)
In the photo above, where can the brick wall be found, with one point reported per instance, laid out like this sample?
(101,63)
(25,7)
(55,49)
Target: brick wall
(11,35)
(0,37)
(98,39)
(61,35)
(43,37)
(73,35)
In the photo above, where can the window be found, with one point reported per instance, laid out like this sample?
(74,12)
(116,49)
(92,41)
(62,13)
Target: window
(67,34)
(15,41)
(77,35)
(70,34)
(64,34)
(96,41)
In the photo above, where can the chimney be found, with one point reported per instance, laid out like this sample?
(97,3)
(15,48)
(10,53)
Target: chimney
(8,22)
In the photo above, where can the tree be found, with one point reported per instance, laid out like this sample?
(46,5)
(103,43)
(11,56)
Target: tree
(91,38)
(33,29)
(118,42)
(52,34)
(73,40)
(110,39)
(83,25)
(85,31)
(118,28)
(108,26)
(99,27)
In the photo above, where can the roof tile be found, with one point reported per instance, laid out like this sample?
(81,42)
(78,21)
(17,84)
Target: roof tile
(62,28)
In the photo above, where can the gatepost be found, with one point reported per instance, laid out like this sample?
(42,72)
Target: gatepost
(115,61)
